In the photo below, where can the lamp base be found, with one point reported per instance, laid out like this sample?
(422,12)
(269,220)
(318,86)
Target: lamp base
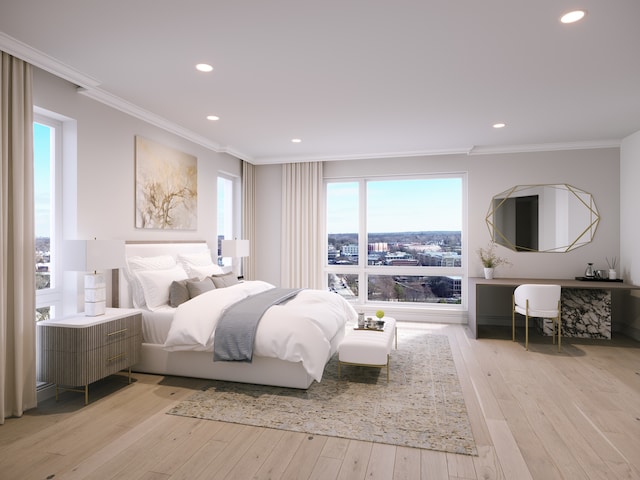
(95,293)
(94,309)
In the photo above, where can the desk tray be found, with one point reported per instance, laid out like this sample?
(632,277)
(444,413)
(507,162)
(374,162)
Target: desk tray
(588,279)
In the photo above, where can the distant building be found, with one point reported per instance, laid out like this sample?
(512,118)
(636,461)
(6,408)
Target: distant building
(350,250)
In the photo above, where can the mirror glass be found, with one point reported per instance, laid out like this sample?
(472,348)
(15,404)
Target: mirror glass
(542,218)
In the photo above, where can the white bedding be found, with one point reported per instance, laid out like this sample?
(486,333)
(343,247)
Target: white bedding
(156,325)
(299,330)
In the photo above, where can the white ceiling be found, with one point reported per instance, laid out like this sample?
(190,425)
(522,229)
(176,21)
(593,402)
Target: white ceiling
(351,78)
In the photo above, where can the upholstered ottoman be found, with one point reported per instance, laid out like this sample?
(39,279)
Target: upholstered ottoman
(369,348)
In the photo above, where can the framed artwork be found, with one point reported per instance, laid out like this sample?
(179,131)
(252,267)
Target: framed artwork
(166,187)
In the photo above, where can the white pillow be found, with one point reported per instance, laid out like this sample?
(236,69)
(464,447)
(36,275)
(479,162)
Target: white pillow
(203,272)
(156,284)
(199,264)
(137,263)
(200,258)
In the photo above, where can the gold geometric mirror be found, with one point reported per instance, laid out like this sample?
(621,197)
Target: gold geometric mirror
(542,218)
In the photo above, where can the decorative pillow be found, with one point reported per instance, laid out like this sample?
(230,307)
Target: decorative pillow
(196,287)
(178,292)
(224,280)
(137,263)
(157,283)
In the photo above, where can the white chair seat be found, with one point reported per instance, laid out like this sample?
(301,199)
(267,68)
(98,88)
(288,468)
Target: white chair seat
(539,301)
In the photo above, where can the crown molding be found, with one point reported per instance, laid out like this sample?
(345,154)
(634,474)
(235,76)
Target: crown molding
(35,57)
(360,156)
(89,87)
(545,147)
(129,108)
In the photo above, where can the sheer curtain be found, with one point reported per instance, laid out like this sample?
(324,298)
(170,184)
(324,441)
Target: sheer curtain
(249,218)
(302,209)
(17,239)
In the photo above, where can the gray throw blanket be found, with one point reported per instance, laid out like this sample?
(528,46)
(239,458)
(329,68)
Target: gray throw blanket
(236,329)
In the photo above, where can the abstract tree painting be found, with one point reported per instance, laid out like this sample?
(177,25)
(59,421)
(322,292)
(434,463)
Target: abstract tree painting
(166,187)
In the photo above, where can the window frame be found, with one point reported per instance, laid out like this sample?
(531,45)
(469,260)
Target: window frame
(234,231)
(53,297)
(363,270)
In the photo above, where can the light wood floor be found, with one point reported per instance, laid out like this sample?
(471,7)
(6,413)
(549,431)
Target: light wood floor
(537,414)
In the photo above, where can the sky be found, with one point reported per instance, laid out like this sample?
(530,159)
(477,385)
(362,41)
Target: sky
(42,179)
(430,204)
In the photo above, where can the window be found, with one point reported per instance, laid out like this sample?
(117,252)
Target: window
(228,213)
(396,240)
(47,134)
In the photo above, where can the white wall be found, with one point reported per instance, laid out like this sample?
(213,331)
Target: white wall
(595,171)
(630,227)
(102,199)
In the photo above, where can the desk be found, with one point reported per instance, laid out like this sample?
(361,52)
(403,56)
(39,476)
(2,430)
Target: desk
(490,301)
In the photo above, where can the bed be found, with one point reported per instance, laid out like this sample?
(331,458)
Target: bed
(293,341)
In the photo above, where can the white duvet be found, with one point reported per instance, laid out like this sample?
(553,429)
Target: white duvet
(299,330)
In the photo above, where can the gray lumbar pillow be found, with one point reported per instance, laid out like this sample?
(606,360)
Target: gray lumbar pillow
(196,287)
(224,280)
(178,292)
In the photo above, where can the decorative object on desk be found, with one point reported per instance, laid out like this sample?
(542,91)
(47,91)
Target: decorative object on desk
(612,268)
(93,256)
(360,320)
(380,314)
(235,249)
(490,260)
(589,273)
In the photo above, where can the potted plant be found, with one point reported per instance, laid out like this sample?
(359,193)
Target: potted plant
(490,259)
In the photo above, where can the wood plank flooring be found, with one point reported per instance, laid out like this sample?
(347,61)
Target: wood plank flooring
(535,415)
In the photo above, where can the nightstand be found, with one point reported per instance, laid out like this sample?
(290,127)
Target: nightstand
(79,350)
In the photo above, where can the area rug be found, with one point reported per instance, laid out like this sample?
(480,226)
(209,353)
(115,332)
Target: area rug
(421,406)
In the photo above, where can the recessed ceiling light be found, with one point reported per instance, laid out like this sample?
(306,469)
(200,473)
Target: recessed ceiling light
(296,140)
(204,67)
(499,125)
(573,16)
(213,118)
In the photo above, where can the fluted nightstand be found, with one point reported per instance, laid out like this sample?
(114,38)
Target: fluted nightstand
(79,350)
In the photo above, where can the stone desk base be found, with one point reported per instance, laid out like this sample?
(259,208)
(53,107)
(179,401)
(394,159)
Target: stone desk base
(585,314)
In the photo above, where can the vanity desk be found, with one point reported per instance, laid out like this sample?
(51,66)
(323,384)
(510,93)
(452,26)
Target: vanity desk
(590,308)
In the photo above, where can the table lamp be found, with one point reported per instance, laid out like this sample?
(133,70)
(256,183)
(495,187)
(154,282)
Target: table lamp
(235,248)
(93,257)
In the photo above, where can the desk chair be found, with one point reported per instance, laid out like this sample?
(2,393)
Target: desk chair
(541,301)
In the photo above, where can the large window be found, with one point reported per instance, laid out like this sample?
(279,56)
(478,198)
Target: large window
(396,240)
(47,134)
(228,213)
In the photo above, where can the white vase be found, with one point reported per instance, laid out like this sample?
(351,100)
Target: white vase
(488,273)
(613,275)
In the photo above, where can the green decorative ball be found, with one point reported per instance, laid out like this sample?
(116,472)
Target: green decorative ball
(379,314)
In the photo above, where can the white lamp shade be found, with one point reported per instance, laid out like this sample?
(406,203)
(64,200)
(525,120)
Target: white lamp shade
(235,248)
(93,255)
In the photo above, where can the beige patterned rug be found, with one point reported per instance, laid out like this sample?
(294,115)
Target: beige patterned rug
(422,405)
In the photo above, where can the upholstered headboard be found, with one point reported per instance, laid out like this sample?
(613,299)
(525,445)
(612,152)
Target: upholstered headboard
(122,292)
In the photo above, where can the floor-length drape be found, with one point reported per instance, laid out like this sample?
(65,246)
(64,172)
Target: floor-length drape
(302,247)
(17,239)
(249,218)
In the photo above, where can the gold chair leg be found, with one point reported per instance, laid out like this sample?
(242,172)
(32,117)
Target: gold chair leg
(526,327)
(513,318)
(559,332)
